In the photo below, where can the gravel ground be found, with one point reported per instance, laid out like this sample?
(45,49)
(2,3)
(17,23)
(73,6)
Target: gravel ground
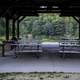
(40,76)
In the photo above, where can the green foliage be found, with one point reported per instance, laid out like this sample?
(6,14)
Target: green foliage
(49,25)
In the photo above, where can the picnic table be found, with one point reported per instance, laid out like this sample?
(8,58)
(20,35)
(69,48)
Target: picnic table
(26,48)
(3,44)
(70,46)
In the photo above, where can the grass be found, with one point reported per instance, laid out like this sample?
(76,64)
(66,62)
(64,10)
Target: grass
(41,38)
(44,38)
(40,76)
(2,38)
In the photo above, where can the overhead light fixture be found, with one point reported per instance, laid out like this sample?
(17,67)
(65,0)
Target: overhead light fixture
(43,7)
(55,7)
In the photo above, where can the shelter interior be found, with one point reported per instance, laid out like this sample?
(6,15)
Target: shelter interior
(14,9)
(17,10)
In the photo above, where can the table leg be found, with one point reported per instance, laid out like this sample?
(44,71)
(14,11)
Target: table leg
(3,51)
(63,52)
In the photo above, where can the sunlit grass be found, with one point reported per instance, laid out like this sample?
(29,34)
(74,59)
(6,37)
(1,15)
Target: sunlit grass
(2,38)
(41,38)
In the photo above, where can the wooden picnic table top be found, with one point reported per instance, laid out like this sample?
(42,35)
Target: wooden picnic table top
(70,45)
(25,44)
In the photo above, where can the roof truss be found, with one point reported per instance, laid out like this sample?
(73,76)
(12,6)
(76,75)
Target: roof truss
(33,7)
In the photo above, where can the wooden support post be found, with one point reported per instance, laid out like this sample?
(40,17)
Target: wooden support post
(18,35)
(13,28)
(79,28)
(15,18)
(7,28)
(18,29)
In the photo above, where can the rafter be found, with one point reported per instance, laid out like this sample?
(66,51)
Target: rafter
(21,7)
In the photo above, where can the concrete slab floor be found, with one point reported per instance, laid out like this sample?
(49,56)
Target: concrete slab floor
(46,63)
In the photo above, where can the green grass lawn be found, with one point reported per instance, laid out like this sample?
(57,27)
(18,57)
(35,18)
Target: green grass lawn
(2,38)
(41,38)
(40,76)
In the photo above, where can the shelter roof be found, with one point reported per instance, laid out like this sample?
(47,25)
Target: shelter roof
(33,7)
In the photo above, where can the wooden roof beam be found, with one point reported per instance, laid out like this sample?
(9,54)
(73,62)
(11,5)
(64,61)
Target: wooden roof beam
(77,19)
(8,8)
